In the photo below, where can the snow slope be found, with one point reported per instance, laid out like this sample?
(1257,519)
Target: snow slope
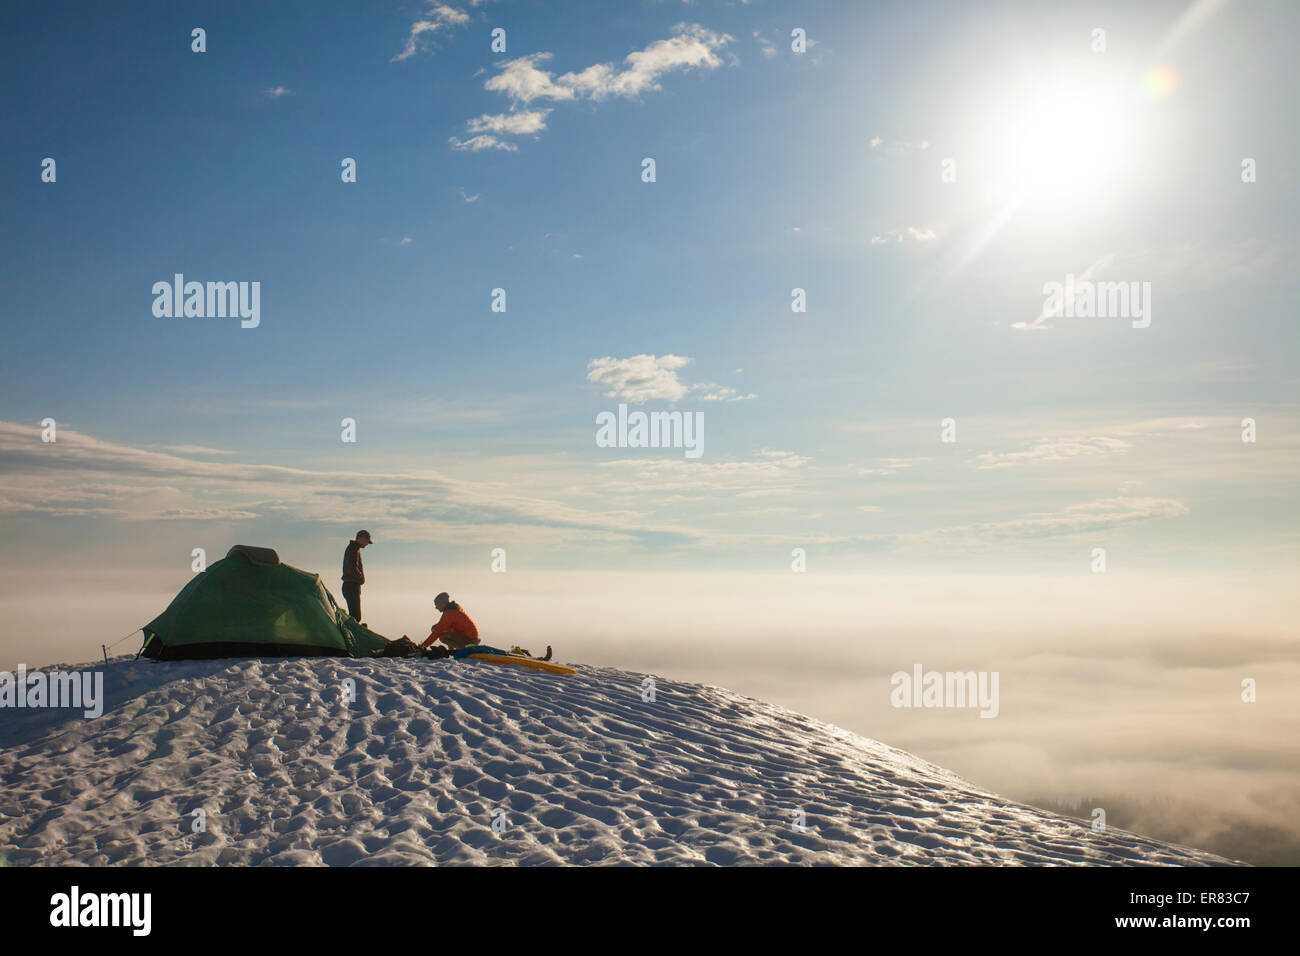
(575,769)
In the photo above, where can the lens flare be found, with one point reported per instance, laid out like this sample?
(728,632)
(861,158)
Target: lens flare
(1159,82)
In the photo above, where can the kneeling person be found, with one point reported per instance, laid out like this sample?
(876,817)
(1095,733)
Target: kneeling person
(454,628)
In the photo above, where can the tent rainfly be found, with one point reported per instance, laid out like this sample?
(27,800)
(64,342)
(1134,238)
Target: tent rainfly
(249,604)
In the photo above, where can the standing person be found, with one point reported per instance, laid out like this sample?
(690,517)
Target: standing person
(354,575)
(454,628)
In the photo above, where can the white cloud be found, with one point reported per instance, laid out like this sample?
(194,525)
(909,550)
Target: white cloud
(484,141)
(193,450)
(910,234)
(488,129)
(899,147)
(772,473)
(1192,266)
(643,378)
(1052,450)
(709,392)
(524,80)
(439,17)
(1088,518)
(890,466)
(1088,275)
(275,92)
(691,47)
(639,379)
(87,477)
(510,124)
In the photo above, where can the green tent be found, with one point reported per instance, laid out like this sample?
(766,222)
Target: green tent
(250,605)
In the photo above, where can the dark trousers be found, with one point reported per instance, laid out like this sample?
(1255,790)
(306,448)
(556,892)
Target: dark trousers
(456,640)
(352,594)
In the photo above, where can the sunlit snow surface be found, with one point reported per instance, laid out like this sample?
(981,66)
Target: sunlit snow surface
(573,769)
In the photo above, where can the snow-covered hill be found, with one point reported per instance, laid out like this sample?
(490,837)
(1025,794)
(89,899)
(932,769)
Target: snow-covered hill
(574,769)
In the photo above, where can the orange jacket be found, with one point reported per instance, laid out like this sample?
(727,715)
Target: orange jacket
(453,619)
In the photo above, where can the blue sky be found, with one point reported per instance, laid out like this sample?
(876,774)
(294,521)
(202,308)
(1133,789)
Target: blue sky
(775,170)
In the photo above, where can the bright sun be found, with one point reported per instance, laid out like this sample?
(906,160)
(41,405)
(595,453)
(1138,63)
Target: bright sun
(1061,144)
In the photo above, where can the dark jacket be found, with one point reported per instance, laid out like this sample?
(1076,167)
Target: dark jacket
(352,569)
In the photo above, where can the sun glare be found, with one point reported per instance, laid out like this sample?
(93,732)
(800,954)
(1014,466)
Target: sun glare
(1062,144)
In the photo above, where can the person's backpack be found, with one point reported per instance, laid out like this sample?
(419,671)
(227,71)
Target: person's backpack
(402,647)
